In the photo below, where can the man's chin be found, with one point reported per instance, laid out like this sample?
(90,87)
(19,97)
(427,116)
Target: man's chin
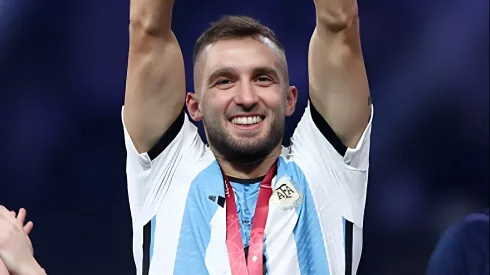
(246,150)
(249,139)
(254,133)
(247,155)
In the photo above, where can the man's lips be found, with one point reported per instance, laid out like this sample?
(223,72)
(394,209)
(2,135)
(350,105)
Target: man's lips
(248,122)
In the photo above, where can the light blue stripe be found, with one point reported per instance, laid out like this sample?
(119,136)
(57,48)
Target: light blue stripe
(308,235)
(195,233)
(343,224)
(267,268)
(152,238)
(246,201)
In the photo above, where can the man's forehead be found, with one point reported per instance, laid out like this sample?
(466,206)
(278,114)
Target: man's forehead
(241,43)
(241,53)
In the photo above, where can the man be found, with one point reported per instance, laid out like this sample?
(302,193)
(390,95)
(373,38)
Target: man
(16,254)
(463,249)
(243,204)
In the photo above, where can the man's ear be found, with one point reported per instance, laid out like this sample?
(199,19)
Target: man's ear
(291,99)
(193,106)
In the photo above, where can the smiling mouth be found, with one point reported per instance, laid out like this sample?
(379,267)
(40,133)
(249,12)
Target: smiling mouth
(247,120)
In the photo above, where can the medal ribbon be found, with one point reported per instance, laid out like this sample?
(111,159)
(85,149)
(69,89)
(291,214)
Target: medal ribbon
(254,263)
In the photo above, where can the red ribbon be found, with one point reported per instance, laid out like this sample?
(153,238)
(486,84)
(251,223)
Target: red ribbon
(254,263)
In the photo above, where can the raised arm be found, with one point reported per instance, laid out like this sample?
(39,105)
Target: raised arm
(155,87)
(337,77)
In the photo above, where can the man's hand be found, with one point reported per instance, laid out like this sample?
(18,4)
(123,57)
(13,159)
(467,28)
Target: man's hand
(16,250)
(27,229)
(21,218)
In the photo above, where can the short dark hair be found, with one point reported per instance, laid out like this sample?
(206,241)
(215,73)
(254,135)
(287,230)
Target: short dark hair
(230,27)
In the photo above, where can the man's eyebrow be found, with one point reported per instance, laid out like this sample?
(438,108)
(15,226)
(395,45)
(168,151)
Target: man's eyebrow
(221,72)
(265,70)
(230,72)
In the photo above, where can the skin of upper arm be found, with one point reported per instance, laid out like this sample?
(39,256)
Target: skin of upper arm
(338,83)
(155,87)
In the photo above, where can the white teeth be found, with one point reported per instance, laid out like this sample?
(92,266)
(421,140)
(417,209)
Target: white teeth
(246,120)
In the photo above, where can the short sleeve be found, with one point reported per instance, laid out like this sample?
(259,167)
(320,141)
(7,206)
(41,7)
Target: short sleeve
(150,174)
(333,171)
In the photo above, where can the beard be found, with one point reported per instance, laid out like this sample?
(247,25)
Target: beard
(243,150)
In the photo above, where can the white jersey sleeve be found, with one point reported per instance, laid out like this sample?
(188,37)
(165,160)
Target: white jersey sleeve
(336,174)
(151,173)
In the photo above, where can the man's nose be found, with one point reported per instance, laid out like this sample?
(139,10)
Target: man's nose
(246,96)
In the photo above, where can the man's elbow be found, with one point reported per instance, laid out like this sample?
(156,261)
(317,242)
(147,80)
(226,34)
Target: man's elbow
(146,21)
(336,19)
(148,27)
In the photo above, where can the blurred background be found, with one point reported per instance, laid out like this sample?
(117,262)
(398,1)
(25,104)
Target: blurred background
(62,79)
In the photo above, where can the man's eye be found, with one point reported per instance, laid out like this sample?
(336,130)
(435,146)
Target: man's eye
(223,82)
(263,78)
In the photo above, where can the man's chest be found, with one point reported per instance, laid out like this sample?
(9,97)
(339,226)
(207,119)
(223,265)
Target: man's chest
(296,238)
(293,237)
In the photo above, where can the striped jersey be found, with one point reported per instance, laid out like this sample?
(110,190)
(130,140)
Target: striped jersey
(315,219)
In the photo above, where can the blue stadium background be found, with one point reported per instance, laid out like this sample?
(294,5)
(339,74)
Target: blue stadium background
(62,77)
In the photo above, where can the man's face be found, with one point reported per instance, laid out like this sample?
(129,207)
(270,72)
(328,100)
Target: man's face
(243,98)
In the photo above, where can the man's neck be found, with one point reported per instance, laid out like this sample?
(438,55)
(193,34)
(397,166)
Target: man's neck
(249,171)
